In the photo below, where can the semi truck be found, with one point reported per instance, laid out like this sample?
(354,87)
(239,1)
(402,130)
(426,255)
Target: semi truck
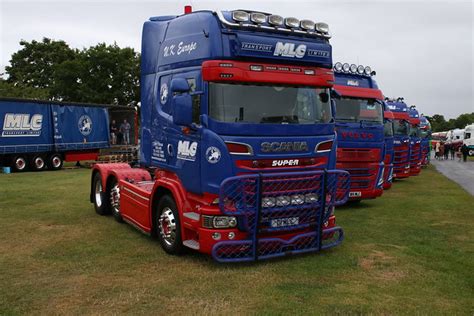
(401,141)
(469,138)
(389,145)
(360,129)
(238,148)
(425,131)
(41,135)
(415,141)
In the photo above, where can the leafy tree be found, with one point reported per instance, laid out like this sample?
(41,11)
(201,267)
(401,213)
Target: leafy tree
(34,64)
(100,74)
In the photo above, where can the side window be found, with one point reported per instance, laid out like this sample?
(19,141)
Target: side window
(196,99)
(164,96)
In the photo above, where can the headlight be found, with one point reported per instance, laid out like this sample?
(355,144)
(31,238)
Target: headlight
(346,67)
(338,66)
(311,198)
(275,20)
(219,221)
(292,22)
(322,27)
(258,18)
(283,200)
(368,70)
(297,199)
(240,16)
(353,68)
(268,202)
(307,25)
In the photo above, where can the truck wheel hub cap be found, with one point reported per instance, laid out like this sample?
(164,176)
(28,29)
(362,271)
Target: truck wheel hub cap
(167,225)
(39,163)
(56,162)
(115,198)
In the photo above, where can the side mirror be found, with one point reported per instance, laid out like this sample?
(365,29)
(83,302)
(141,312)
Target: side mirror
(335,94)
(179,85)
(333,108)
(182,110)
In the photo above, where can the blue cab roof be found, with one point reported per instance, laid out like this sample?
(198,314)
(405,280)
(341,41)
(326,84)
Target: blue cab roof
(355,80)
(170,42)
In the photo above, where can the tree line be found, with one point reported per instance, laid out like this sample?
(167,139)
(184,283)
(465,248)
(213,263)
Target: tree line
(439,123)
(51,70)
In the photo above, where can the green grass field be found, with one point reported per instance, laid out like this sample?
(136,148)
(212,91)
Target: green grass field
(409,252)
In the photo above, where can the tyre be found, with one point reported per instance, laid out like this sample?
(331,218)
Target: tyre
(113,193)
(167,226)
(19,164)
(55,162)
(98,196)
(38,163)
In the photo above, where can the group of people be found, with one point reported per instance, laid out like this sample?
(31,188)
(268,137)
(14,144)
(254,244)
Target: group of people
(445,150)
(120,135)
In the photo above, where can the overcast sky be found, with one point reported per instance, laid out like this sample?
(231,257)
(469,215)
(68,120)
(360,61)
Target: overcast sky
(421,50)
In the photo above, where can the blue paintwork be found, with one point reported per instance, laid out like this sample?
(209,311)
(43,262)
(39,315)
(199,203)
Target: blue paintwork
(175,47)
(359,81)
(58,127)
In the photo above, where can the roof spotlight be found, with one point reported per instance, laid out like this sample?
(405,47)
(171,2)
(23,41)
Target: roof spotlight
(292,22)
(360,69)
(353,68)
(307,25)
(257,17)
(322,27)
(368,71)
(275,20)
(346,67)
(338,66)
(240,16)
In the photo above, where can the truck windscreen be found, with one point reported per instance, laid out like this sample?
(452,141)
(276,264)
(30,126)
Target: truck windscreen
(388,128)
(425,133)
(414,131)
(247,103)
(356,110)
(400,127)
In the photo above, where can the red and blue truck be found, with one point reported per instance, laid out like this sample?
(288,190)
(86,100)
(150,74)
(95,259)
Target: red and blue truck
(415,141)
(238,148)
(389,148)
(38,135)
(401,138)
(360,129)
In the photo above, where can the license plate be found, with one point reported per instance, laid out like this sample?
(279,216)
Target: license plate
(355,194)
(284,222)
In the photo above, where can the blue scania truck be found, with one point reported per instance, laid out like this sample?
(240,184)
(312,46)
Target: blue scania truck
(360,129)
(37,135)
(238,147)
(415,141)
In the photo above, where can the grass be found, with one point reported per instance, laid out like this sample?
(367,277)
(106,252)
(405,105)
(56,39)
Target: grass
(409,252)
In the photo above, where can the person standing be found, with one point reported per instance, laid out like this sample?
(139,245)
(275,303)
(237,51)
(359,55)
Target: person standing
(441,151)
(453,151)
(437,148)
(113,132)
(464,151)
(125,129)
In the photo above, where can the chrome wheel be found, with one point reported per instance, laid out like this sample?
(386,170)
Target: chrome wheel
(20,163)
(39,163)
(56,162)
(167,226)
(115,198)
(98,193)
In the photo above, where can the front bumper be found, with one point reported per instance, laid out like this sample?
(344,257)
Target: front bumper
(258,236)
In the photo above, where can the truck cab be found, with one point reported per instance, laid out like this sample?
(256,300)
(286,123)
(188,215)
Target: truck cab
(238,146)
(425,131)
(415,141)
(388,129)
(401,138)
(360,129)
(469,138)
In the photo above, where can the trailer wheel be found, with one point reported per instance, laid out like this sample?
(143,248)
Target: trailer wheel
(113,192)
(167,226)
(38,163)
(19,164)
(55,162)
(100,203)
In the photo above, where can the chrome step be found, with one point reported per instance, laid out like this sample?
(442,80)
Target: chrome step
(193,244)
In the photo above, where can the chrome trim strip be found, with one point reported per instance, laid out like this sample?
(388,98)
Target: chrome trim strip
(192,215)
(136,194)
(250,153)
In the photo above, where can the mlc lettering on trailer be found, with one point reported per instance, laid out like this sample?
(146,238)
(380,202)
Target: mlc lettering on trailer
(18,125)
